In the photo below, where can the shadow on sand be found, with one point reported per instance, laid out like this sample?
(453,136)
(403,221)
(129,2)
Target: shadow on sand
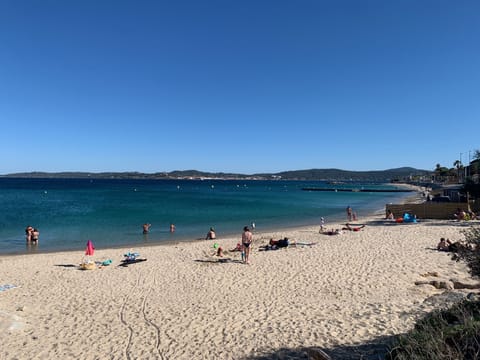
(218,261)
(125,263)
(375,350)
(67,265)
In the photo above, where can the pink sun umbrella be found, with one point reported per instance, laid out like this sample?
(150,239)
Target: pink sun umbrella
(89,249)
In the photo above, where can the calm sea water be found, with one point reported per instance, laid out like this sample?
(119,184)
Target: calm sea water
(111,212)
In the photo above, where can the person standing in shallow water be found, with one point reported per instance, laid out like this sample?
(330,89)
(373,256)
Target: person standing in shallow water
(349,213)
(247,239)
(28,233)
(35,236)
(146,228)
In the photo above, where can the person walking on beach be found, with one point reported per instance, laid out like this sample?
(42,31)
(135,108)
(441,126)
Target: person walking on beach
(247,239)
(322,224)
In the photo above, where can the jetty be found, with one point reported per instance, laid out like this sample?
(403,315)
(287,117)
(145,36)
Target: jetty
(358,190)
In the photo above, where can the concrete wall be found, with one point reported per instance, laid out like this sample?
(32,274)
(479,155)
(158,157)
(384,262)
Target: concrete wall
(427,210)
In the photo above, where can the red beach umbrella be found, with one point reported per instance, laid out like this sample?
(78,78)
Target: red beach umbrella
(90,248)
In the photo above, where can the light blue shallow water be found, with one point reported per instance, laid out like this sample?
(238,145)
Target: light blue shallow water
(111,212)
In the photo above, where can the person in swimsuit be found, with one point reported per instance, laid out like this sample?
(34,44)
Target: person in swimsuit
(443,245)
(28,233)
(350,228)
(389,215)
(349,213)
(35,236)
(211,234)
(146,228)
(247,239)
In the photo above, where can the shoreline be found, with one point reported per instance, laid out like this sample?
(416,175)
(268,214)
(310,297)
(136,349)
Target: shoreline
(337,218)
(184,302)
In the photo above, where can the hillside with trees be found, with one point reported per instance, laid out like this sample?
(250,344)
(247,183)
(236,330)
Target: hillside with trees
(398,174)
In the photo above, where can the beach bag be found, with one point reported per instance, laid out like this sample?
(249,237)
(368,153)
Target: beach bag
(87,266)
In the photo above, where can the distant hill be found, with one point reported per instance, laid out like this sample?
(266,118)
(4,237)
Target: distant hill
(399,174)
(346,175)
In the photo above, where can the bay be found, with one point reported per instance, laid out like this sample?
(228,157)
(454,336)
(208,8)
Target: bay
(68,212)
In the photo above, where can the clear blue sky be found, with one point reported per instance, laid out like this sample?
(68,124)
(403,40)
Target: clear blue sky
(237,86)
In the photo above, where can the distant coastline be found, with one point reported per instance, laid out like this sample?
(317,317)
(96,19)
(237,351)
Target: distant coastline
(391,175)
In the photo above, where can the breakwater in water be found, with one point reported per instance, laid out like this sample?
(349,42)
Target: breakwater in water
(359,190)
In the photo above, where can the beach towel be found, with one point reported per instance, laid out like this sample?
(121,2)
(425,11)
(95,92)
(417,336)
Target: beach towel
(131,258)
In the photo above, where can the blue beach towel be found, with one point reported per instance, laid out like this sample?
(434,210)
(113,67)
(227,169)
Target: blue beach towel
(131,256)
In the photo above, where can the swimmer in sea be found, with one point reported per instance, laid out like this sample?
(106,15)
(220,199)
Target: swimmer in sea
(146,228)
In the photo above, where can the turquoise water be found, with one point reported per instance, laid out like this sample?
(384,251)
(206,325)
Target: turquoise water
(111,212)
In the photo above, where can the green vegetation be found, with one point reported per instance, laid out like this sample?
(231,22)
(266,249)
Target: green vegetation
(404,173)
(452,333)
(401,174)
(470,253)
(443,335)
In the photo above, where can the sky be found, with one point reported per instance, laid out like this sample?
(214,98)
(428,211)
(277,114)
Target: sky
(246,86)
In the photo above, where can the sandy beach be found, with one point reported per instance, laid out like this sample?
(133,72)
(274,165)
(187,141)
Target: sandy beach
(184,302)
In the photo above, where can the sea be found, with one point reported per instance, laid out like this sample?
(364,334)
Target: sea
(111,212)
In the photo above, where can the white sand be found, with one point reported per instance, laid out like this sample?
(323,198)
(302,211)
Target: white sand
(183,304)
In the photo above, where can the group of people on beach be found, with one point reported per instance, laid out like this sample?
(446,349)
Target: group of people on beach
(244,246)
(247,240)
(461,214)
(32,235)
(447,245)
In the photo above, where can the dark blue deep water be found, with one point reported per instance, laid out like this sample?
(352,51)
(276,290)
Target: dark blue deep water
(69,212)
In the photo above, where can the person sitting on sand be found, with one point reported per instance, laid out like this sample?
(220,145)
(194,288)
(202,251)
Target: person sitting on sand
(218,250)
(211,234)
(389,215)
(444,245)
(459,214)
(471,215)
(238,247)
(350,228)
